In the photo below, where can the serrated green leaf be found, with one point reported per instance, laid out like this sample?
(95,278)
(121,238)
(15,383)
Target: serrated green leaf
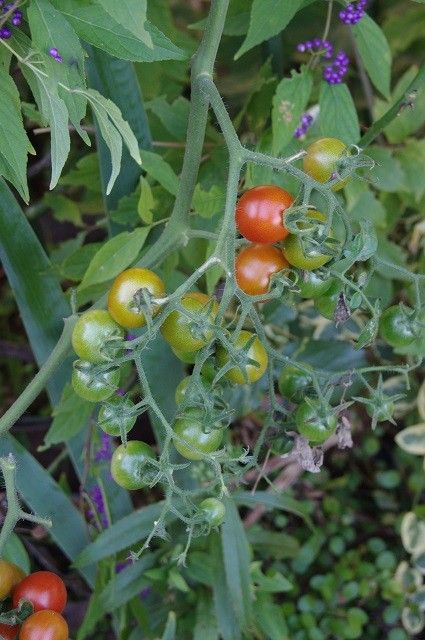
(338,115)
(375,53)
(131,14)
(146,202)
(173,116)
(268,18)
(49,27)
(115,255)
(14,143)
(54,110)
(70,415)
(96,26)
(158,168)
(114,130)
(63,209)
(289,102)
(412,439)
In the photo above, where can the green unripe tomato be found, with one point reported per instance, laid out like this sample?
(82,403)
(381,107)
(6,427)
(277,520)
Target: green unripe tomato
(129,464)
(180,393)
(188,357)
(303,255)
(117,416)
(315,422)
(384,412)
(323,158)
(213,511)
(396,327)
(293,382)
(245,372)
(91,384)
(91,334)
(190,429)
(185,334)
(327,303)
(312,285)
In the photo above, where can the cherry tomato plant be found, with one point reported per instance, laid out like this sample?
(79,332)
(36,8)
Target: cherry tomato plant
(238,308)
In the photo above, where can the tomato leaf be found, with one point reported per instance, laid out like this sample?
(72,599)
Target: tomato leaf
(70,416)
(130,14)
(115,255)
(146,202)
(158,168)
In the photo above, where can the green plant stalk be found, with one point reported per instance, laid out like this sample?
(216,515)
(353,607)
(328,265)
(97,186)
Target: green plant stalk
(39,381)
(417,83)
(14,511)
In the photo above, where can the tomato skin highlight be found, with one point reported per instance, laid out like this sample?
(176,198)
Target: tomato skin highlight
(189,427)
(44,625)
(254,266)
(396,328)
(92,330)
(213,510)
(93,385)
(128,464)
(259,213)
(256,352)
(9,632)
(313,424)
(44,589)
(123,289)
(10,576)
(178,329)
(322,158)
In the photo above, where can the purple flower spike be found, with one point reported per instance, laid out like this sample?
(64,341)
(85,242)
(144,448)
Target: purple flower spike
(305,123)
(96,496)
(105,451)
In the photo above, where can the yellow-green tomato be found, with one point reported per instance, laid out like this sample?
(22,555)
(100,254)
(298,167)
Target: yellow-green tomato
(187,333)
(94,334)
(303,254)
(213,511)
(323,158)
(129,464)
(245,371)
(193,440)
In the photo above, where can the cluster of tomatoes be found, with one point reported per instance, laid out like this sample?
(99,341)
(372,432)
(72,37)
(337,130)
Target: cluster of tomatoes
(43,592)
(137,295)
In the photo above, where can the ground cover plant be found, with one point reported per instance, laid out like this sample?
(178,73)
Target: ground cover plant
(212,319)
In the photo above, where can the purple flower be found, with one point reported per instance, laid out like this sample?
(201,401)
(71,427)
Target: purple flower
(305,123)
(54,53)
(105,451)
(335,72)
(96,496)
(5,33)
(352,14)
(318,45)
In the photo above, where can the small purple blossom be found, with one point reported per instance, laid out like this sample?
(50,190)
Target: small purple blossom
(353,13)
(17,18)
(54,53)
(316,45)
(334,73)
(305,123)
(105,451)
(5,33)
(96,497)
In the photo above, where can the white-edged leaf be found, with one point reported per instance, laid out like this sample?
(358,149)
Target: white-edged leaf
(420,400)
(412,439)
(14,143)
(114,129)
(54,109)
(158,168)
(375,53)
(268,18)
(338,115)
(49,28)
(289,102)
(131,14)
(115,255)
(412,532)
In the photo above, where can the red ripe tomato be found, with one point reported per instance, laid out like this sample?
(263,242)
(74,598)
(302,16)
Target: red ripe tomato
(255,265)
(259,213)
(44,589)
(8,632)
(44,625)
